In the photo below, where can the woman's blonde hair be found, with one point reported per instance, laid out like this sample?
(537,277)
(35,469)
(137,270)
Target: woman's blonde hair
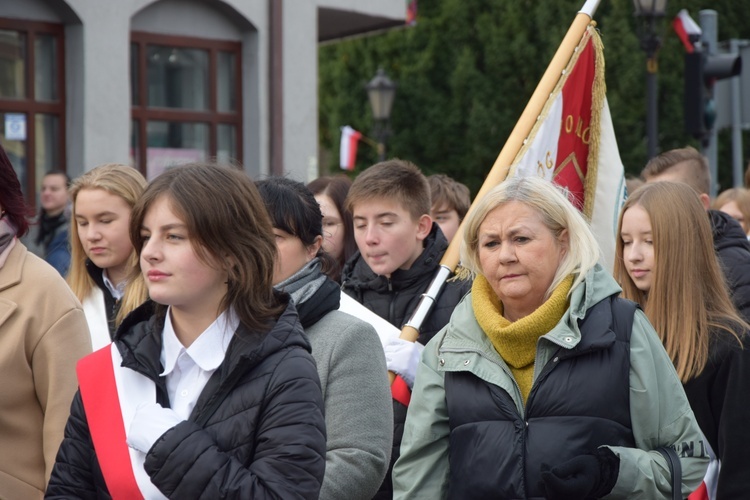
(688,301)
(127,183)
(557,213)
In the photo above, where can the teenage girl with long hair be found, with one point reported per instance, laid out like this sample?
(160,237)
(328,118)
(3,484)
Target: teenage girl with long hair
(102,256)
(665,261)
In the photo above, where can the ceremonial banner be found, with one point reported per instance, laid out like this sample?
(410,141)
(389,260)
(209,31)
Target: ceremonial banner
(573,144)
(515,148)
(348,150)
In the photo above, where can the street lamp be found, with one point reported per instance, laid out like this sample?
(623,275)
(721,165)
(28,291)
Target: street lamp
(381,92)
(649,13)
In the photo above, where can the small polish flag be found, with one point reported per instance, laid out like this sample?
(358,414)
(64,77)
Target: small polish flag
(411,12)
(685,26)
(349,142)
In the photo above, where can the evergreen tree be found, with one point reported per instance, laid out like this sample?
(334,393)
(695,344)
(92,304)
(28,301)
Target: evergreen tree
(467,69)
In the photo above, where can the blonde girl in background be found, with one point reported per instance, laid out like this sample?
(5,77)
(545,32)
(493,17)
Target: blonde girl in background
(102,256)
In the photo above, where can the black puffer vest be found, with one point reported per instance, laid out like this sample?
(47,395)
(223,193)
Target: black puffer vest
(579,402)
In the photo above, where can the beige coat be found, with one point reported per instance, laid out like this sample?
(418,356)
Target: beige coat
(43,333)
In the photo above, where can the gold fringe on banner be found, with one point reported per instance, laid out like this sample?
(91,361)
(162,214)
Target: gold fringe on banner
(599,92)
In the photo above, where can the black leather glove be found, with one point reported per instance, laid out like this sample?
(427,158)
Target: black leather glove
(582,477)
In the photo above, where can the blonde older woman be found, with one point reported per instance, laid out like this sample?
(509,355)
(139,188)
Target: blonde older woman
(543,384)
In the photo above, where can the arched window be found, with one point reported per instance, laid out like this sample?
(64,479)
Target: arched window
(186,95)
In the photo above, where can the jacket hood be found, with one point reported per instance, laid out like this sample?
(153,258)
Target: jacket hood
(357,274)
(727,231)
(597,285)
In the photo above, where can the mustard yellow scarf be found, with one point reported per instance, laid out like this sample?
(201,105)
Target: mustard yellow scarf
(516,341)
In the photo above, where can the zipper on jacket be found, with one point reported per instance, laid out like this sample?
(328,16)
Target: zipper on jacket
(546,370)
(553,362)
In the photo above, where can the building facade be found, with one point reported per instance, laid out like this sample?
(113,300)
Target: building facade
(158,82)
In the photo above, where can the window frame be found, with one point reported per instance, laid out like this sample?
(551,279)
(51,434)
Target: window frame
(29,106)
(142,113)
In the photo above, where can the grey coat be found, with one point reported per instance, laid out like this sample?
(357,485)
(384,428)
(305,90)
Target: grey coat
(358,411)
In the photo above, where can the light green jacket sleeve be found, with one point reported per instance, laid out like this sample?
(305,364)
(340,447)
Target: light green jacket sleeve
(661,416)
(422,472)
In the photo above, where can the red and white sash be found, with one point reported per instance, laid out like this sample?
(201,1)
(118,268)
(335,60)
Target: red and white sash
(111,394)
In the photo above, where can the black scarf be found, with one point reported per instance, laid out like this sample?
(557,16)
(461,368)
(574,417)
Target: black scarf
(48,225)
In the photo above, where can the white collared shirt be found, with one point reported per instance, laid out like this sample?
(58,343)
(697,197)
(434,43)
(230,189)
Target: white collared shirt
(188,370)
(117,291)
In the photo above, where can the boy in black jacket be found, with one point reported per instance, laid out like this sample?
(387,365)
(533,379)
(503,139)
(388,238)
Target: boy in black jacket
(400,249)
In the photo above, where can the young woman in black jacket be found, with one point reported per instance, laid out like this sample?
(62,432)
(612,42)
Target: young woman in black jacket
(209,389)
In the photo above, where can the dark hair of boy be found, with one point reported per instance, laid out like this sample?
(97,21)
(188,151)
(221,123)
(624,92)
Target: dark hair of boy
(692,164)
(449,194)
(394,179)
(59,172)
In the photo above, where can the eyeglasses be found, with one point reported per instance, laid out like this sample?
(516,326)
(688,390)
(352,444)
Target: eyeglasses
(331,227)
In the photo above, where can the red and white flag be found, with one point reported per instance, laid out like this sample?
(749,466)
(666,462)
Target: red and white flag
(573,144)
(348,151)
(685,26)
(411,12)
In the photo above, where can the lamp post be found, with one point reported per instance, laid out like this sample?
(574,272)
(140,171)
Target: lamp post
(648,15)
(381,92)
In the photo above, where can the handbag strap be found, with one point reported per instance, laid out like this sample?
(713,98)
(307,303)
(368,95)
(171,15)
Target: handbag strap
(675,469)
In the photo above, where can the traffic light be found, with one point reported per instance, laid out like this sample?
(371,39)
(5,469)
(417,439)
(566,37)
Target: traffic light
(701,72)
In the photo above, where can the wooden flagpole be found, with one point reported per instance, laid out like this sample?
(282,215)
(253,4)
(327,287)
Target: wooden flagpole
(499,171)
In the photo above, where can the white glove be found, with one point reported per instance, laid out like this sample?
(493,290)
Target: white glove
(151,421)
(402,357)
